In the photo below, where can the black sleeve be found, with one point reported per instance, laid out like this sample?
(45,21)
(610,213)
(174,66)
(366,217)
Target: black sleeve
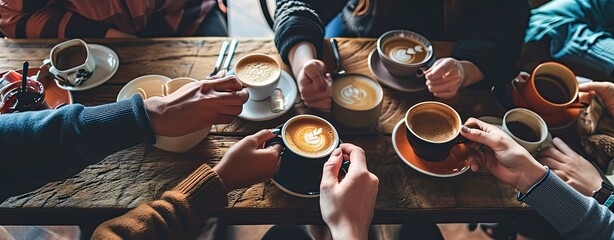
(492,34)
(298,21)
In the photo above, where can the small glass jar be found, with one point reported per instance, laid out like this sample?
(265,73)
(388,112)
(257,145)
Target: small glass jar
(12,100)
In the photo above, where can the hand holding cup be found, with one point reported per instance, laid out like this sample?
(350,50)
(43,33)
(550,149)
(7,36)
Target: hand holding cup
(196,105)
(315,85)
(445,78)
(347,203)
(501,155)
(246,163)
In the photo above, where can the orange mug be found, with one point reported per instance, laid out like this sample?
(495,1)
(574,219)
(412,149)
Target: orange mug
(551,88)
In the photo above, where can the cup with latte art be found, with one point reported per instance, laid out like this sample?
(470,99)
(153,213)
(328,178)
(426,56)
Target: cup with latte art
(405,53)
(357,100)
(308,141)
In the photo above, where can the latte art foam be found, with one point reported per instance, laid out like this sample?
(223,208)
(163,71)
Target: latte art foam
(309,136)
(356,92)
(405,50)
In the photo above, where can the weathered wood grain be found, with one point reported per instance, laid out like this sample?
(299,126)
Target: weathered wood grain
(140,174)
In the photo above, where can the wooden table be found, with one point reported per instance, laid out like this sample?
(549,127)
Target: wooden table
(142,173)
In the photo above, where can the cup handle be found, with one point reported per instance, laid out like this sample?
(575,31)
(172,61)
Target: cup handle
(577,101)
(276,140)
(520,81)
(426,66)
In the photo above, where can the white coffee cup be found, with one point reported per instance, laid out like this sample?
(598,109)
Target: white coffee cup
(73,74)
(260,73)
(159,86)
(527,122)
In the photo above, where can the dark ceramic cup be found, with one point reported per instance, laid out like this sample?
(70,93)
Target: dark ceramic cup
(300,174)
(432,129)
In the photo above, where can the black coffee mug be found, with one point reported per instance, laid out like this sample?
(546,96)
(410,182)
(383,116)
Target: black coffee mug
(299,174)
(429,150)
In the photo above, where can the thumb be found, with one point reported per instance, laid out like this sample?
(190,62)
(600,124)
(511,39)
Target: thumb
(330,172)
(227,84)
(263,136)
(480,134)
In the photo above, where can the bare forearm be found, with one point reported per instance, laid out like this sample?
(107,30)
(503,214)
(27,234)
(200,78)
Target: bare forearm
(299,54)
(472,74)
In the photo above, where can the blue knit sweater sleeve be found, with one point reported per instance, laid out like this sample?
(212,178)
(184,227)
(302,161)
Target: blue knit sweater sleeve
(38,147)
(572,214)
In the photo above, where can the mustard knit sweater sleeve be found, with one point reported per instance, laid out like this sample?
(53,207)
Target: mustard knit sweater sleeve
(177,215)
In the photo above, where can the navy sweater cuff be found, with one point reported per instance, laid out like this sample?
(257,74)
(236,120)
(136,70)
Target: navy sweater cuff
(125,121)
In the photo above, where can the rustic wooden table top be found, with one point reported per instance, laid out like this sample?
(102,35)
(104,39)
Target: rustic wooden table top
(142,173)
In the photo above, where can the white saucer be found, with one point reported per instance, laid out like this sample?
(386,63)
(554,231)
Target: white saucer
(107,63)
(144,82)
(261,111)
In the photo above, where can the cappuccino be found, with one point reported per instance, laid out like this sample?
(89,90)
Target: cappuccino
(433,125)
(356,92)
(405,50)
(258,70)
(310,136)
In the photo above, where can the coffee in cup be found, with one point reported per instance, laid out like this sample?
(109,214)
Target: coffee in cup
(260,73)
(308,141)
(405,53)
(432,129)
(527,128)
(310,136)
(71,62)
(551,88)
(405,50)
(357,100)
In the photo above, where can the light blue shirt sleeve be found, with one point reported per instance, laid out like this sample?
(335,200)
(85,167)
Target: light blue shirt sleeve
(572,214)
(581,32)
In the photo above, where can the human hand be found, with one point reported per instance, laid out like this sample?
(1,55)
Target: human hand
(578,172)
(503,157)
(246,163)
(445,77)
(605,91)
(347,204)
(196,105)
(315,85)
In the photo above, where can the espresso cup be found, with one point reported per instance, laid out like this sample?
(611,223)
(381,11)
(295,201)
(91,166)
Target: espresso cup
(405,53)
(71,62)
(551,88)
(260,73)
(432,129)
(308,141)
(527,128)
(357,100)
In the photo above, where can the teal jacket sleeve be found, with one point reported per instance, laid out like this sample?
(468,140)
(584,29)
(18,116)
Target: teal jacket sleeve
(43,146)
(572,214)
(580,32)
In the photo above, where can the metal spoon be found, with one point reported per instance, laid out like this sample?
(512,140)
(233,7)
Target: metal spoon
(338,70)
(231,53)
(220,58)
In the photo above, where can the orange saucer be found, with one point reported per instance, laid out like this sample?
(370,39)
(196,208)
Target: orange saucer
(54,96)
(554,121)
(456,164)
